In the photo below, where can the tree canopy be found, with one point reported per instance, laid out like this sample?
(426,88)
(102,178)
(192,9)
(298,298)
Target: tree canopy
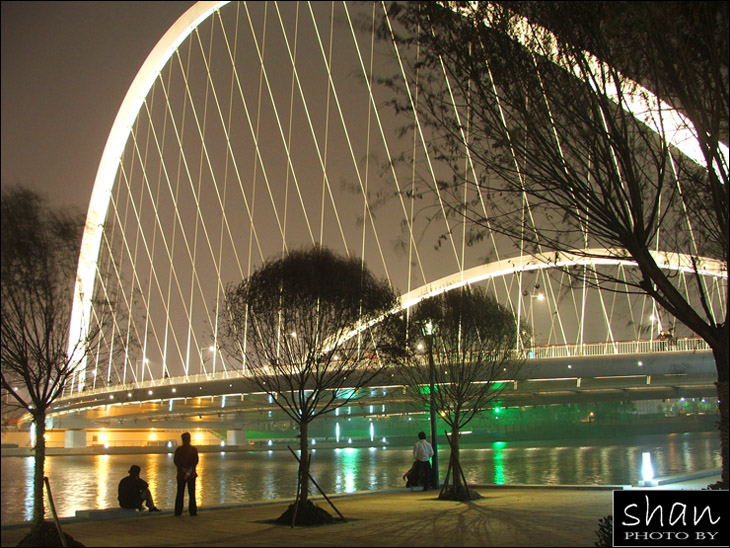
(569,126)
(463,356)
(311,329)
(40,249)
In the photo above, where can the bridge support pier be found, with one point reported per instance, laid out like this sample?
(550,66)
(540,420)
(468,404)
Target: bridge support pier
(75,439)
(236,437)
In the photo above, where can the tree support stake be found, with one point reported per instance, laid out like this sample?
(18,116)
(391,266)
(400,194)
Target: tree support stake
(317,486)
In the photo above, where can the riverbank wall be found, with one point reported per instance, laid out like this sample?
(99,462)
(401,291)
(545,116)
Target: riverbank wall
(485,436)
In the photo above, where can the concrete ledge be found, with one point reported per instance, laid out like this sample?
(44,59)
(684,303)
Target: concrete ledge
(668,480)
(108,513)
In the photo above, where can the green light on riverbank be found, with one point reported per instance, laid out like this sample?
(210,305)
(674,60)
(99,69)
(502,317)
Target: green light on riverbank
(498,462)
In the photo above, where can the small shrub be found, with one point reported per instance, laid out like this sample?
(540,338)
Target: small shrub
(605,531)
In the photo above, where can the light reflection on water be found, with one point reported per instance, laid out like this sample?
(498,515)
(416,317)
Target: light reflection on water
(84,482)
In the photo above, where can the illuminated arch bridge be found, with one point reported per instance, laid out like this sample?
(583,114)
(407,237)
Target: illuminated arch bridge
(257,128)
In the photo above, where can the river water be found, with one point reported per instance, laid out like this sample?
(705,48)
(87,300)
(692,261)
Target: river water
(88,482)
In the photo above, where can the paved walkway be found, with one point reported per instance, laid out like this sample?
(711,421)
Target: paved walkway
(506,516)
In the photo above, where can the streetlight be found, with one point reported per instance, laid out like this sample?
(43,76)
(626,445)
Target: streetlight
(202,358)
(140,369)
(212,349)
(539,297)
(428,332)
(533,296)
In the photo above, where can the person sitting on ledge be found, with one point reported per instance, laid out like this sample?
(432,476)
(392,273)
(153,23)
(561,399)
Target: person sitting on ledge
(133,491)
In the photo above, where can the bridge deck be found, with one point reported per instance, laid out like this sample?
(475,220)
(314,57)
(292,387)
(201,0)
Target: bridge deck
(217,401)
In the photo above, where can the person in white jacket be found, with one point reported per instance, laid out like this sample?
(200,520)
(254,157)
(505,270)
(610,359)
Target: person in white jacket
(422,453)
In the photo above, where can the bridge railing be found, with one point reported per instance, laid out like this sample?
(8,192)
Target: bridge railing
(151,384)
(689,344)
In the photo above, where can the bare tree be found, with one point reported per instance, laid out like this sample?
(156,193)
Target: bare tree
(311,329)
(40,249)
(464,357)
(537,118)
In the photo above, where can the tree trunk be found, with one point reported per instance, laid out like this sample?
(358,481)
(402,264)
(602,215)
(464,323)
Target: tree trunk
(455,463)
(39,471)
(304,465)
(716,336)
(723,395)
(458,490)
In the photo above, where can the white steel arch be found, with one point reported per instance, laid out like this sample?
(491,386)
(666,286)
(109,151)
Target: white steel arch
(121,131)
(659,116)
(592,258)
(109,164)
(586,257)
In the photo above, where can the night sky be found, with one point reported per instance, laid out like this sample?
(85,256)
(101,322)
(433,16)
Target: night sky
(66,67)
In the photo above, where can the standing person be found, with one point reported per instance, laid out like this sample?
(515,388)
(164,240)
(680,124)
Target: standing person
(422,452)
(133,491)
(186,458)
